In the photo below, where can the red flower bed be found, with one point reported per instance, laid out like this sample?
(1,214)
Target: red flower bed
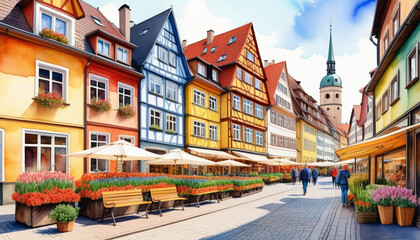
(54,195)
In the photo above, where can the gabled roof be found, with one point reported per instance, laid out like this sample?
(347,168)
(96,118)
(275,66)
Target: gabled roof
(356,112)
(344,128)
(221,41)
(148,39)
(11,14)
(71,7)
(273,73)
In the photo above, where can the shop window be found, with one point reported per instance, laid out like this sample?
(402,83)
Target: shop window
(395,167)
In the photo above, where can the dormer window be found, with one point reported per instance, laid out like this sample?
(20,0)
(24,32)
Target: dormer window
(232,40)
(53,23)
(122,54)
(102,47)
(213,49)
(214,75)
(97,21)
(202,70)
(204,51)
(223,57)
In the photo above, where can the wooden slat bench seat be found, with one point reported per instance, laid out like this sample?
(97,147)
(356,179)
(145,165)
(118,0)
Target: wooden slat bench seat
(160,195)
(199,196)
(116,199)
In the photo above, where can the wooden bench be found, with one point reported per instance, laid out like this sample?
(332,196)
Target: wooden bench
(160,195)
(199,196)
(116,199)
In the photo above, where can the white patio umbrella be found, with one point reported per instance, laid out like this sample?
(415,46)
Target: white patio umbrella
(177,156)
(231,163)
(118,150)
(288,162)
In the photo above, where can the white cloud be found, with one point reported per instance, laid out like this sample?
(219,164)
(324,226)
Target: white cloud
(110,11)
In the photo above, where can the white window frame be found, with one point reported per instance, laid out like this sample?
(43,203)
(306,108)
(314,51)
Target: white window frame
(124,50)
(214,75)
(259,111)
(212,101)
(236,102)
(2,132)
(152,81)
(108,139)
(213,132)
(39,133)
(171,122)
(126,86)
(200,97)
(236,128)
(109,47)
(160,118)
(163,50)
(37,21)
(172,59)
(248,107)
(52,67)
(201,127)
(248,132)
(201,69)
(259,138)
(132,138)
(171,88)
(99,79)
(415,54)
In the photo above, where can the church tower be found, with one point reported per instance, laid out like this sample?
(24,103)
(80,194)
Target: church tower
(331,88)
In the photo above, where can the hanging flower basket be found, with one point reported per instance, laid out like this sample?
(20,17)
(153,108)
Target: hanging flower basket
(100,105)
(48,33)
(127,111)
(49,100)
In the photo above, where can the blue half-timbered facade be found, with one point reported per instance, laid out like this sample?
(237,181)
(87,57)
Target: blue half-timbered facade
(161,60)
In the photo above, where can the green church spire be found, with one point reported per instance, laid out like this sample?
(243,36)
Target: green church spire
(330,50)
(331,79)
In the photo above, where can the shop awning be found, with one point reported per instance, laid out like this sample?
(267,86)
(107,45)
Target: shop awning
(377,145)
(251,156)
(212,153)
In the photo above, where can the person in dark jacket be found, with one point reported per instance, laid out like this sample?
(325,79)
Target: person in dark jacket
(305,178)
(294,175)
(342,180)
(314,175)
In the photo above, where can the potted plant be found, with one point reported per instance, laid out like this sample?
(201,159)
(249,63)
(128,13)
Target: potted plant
(49,100)
(405,203)
(48,33)
(366,212)
(126,111)
(100,105)
(382,197)
(65,216)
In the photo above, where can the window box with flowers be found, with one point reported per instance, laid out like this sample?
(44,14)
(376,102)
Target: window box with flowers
(48,33)
(100,105)
(50,100)
(171,132)
(155,128)
(126,111)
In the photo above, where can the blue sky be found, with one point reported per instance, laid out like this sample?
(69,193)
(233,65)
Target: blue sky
(293,30)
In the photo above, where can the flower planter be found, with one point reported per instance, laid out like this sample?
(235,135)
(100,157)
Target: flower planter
(405,216)
(236,193)
(286,180)
(93,209)
(34,216)
(367,217)
(65,227)
(386,214)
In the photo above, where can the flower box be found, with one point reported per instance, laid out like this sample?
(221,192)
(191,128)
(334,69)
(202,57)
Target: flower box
(241,193)
(100,105)
(367,217)
(34,216)
(127,111)
(48,33)
(405,215)
(93,209)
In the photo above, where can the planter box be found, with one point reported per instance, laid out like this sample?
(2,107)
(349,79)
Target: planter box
(236,193)
(225,194)
(93,209)
(34,216)
(386,214)
(405,216)
(286,180)
(367,217)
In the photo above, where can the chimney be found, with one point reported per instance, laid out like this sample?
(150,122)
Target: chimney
(271,63)
(265,63)
(210,36)
(132,23)
(125,21)
(184,45)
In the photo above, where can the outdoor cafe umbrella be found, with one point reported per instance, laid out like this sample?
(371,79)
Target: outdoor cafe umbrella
(177,156)
(119,150)
(231,163)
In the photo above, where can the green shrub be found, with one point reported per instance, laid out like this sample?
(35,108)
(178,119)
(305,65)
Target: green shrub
(64,213)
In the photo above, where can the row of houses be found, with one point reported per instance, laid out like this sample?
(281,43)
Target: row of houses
(142,84)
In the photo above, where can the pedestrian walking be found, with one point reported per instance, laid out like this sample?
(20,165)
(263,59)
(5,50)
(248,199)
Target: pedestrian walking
(342,180)
(334,173)
(314,175)
(305,178)
(294,175)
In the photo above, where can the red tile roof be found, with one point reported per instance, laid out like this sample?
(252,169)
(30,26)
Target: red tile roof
(357,109)
(221,41)
(273,73)
(344,127)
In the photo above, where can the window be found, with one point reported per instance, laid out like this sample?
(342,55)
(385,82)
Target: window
(122,54)
(239,73)
(378,110)
(280,140)
(394,89)
(129,139)
(212,103)
(385,102)
(202,70)
(97,140)
(102,47)
(232,40)
(155,119)
(213,132)
(250,56)
(43,150)
(396,21)
(248,78)
(171,91)
(249,135)
(236,102)
(223,57)
(236,132)
(144,31)
(257,84)
(199,98)
(98,87)
(273,139)
(204,51)
(214,75)
(199,129)
(327,96)
(259,136)
(283,76)
(413,73)
(213,49)
(162,54)
(248,107)
(155,84)
(97,21)
(125,94)
(336,95)
(259,111)
(172,59)
(386,41)
(53,23)
(51,78)
(273,116)
(280,119)
(170,123)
